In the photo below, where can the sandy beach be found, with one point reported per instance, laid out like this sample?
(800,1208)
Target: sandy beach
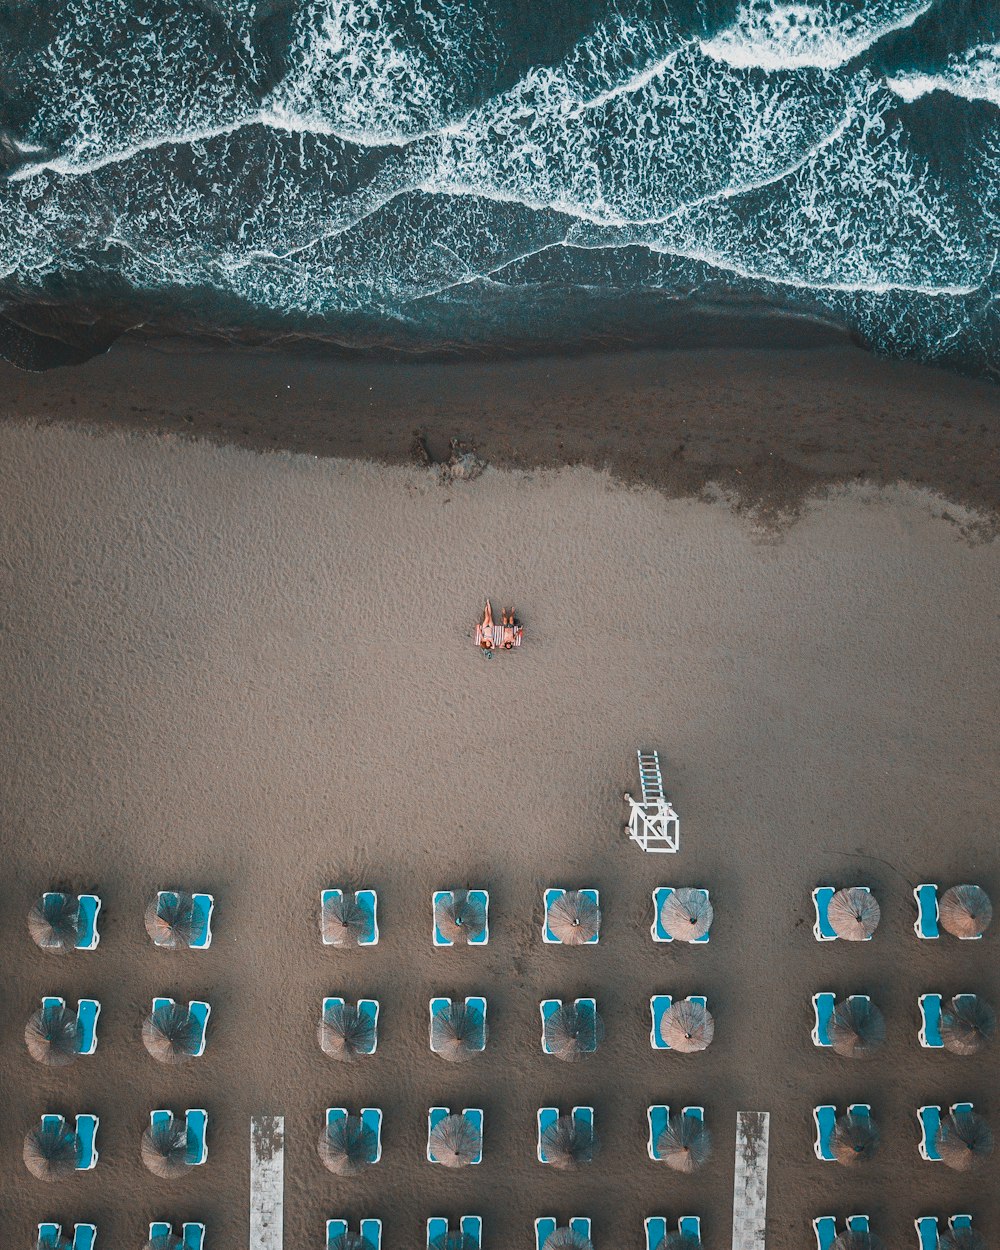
(253,674)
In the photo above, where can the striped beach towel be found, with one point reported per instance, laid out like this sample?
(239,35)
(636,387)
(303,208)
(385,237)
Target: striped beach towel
(494,635)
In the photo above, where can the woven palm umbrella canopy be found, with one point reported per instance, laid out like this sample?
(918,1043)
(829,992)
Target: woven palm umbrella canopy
(350,1241)
(686,914)
(54,922)
(454,1240)
(964,1140)
(965,910)
(53,1036)
(574,918)
(567,1239)
(962,1239)
(343,921)
(171,1034)
(855,1139)
(857,1029)
(687,1027)
(967,1024)
(458,1033)
(678,1241)
(854,914)
(459,917)
(170,922)
(345,1033)
(51,1151)
(569,1143)
(851,1240)
(572,1034)
(685,1144)
(165,1241)
(164,1149)
(455,1142)
(348,1146)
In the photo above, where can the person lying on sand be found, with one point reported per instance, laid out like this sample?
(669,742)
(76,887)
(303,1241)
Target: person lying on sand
(510,628)
(486,629)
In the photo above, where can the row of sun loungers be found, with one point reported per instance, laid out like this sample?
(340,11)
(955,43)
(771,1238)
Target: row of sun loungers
(853,913)
(172,1144)
(174,919)
(172,1033)
(50,1236)
(855,1027)
(470,1229)
(959,1138)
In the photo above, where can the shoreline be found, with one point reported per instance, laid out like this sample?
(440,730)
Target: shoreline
(767,427)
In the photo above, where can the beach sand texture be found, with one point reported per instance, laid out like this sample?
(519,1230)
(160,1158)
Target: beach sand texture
(253,675)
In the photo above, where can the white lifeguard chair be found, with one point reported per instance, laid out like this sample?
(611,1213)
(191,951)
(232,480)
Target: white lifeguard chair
(653,823)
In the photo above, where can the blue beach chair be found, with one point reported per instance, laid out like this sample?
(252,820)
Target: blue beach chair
(929,1122)
(469,1226)
(690,1226)
(927,1232)
(482,897)
(192,1234)
(926,924)
(50,1236)
(550,897)
(929,1034)
(959,1223)
(370,1230)
(657,931)
(440,1006)
(367,900)
(547,1116)
(198,1011)
(825,1119)
(473,1115)
(548,1008)
(659,1005)
(204,904)
(367,1009)
(371,1117)
(823,1005)
(546,1225)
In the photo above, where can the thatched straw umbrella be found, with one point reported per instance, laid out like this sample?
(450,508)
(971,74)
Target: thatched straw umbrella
(567,1239)
(344,1032)
(459,917)
(686,914)
(965,910)
(854,914)
(458,1033)
(964,1140)
(348,1146)
(574,918)
(51,1151)
(967,1024)
(687,1027)
(568,1143)
(962,1239)
(678,1241)
(684,1144)
(54,922)
(857,1029)
(454,1240)
(350,1241)
(851,1240)
(165,1149)
(455,1142)
(53,1036)
(855,1139)
(165,1241)
(572,1034)
(343,920)
(170,922)
(171,1034)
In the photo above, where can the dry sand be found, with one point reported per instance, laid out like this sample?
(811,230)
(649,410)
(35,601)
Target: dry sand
(253,675)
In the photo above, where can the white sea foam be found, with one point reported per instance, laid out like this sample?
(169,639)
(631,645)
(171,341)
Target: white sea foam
(972,76)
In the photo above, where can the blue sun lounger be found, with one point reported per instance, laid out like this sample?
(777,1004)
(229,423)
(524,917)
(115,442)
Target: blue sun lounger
(473,1115)
(550,897)
(50,1236)
(192,1234)
(371,1117)
(367,900)
(370,1230)
(482,897)
(659,1005)
(657,931)
(656,1229)
(546,1225)
(547,1116)
(548,1008)
(367,1009)
(929,1034)
(198,1011)
(204,904)
(88,1011)
(469,1226)
(926,924)
(439,1006)
(929,1120)
(658,1117)
(825,1119)
(927,1229)
(825,1228)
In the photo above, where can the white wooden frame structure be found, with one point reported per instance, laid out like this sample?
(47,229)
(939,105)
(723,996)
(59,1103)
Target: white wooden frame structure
(652,823)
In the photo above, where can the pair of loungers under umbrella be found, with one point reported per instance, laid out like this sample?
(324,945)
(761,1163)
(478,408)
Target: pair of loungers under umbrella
(964,911)
(163,1237)
(963,1025)
(60,922)
(54,1150)
(960,1139)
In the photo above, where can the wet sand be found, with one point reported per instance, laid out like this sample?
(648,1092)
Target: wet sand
(254,675)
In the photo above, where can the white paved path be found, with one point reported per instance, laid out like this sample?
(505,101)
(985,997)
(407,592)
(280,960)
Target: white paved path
(750,1181)
(267,1181)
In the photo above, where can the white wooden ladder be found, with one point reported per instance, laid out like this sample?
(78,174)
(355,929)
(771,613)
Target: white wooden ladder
(653,823)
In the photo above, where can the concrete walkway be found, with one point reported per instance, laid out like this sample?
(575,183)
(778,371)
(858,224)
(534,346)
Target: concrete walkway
(750,1181)
(267,1181)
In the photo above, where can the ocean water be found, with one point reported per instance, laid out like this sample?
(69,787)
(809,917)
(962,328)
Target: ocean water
(478,175)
